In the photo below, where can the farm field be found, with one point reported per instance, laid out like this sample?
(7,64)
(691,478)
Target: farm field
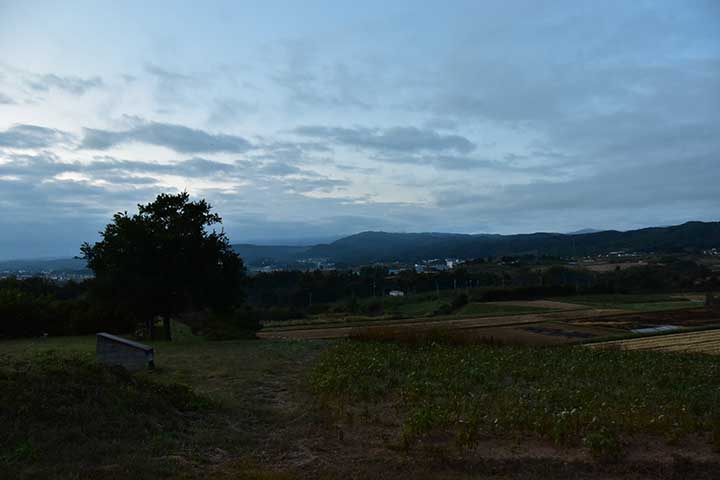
(685,318)
(641,303)
(424,311)
(299,410)
(707,341)
(592,315)
(558,394)
(422,307)
(533,334)
(326,331)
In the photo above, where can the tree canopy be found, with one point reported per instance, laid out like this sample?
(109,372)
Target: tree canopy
(166,260)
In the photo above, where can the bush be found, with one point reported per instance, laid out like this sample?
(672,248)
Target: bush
(443,309)
(24,313)
(604,445)
(280,314)
(242,322)
(459,301)
(525,293)
(374,308)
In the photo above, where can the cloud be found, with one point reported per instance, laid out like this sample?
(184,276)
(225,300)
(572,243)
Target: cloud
(694,182)
(462,162)
(280,168)
(311,82)
(393,139)
(70,84)
(174,89)
(166,75)
(5,100)
(271,176)
(565,117)
(175,137)
(31,136)
(226,110)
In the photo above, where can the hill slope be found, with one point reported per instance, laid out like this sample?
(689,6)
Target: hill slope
(256,254)
(370,247)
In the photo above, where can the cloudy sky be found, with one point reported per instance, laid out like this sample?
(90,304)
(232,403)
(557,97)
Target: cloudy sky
(303,120)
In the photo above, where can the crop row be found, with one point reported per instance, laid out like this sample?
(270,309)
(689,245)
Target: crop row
(694,342)
(569,395)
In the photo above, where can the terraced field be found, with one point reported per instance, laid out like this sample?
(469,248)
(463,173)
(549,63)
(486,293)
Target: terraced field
(707,341)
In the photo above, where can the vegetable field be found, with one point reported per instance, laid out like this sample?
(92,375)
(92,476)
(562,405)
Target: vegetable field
(707,341)
(570,396)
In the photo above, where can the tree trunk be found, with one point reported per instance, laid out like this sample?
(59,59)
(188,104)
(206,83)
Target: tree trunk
(168,330)
(149,326)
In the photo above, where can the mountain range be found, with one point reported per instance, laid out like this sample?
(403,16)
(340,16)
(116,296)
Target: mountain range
(370,247)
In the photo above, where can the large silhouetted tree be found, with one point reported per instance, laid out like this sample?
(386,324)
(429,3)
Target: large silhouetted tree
(165,260)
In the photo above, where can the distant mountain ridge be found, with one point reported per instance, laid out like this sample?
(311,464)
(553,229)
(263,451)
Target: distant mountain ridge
(256,254)
(369,247)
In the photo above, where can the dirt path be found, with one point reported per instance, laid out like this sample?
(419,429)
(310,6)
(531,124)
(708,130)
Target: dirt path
(326,332)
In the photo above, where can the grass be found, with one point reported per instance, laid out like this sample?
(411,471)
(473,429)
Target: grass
(661,306)
(63,416)
(53,404)
(635,302)
(574,396)
(242,409)
(490,309)
(620,299)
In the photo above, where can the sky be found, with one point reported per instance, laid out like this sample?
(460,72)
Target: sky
(309,120)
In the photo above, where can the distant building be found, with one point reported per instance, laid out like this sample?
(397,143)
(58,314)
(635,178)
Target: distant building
(396,293)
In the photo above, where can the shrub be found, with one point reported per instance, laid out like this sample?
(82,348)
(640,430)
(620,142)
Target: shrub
(279,314)
(242,322)
(526,293)
(443,309)
(459,301)
(374,308)
(604,445)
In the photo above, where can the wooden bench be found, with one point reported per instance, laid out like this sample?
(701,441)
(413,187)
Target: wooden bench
(114,350)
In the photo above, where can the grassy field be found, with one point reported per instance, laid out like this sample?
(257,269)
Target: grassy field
(257,409)
(638,303)
(567,395)
(203,412)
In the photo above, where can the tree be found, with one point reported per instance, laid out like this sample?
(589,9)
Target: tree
(164,260)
